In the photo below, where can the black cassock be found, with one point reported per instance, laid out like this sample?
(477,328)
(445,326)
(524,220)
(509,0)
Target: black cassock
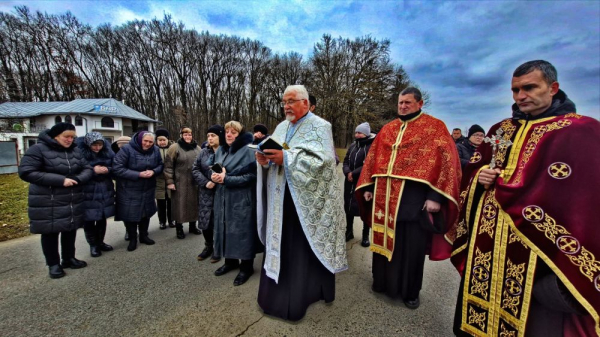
(303,279)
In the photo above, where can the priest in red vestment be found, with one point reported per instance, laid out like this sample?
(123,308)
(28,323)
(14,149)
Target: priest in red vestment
(525,240)
(408,194)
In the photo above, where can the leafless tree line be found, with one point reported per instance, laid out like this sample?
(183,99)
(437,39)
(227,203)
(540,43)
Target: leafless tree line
(182,77)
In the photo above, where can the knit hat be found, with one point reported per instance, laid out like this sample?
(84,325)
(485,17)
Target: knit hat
(260,128)
(123,140)
(162,133)
(216,129)
(92,137)
(59,128)
(364,128)
(475,128)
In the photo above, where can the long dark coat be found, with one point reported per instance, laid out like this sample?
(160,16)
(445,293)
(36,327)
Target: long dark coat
(353,162)
(178,171)
(135,195)
(465,152)
(54,208)
(100,190)
(201,172)
(235,201)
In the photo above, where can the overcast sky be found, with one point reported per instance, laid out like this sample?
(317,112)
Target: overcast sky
(462,52)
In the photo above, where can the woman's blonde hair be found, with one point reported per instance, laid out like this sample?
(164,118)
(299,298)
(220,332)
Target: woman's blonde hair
(237,126)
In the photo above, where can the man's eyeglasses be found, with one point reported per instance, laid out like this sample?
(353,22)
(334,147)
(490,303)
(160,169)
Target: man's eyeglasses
(289,102)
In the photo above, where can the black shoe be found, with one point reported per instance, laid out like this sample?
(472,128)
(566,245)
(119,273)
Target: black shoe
(132,245)
(126,236)
(73,263)
(208,250)
(349,236)
(95,251)
(242,277)
(365,242)
(412,303)
(225,269)
(105,248)
(215,259)
(56,271)
(146,240)
(195,230)
(171,224)
(162,225)
(180,233)
(376,290)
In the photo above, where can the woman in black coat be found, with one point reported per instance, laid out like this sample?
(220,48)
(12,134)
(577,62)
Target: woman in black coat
(467,147)
(236,236)
(56,171)
(136,166)
(206,192)
(99,192)
(353,163)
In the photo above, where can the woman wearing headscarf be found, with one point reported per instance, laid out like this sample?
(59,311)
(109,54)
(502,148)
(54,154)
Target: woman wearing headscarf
(136,166)
(178,174)
(206,192)
(99,191)
(163,194)
(236,237)
(56,171)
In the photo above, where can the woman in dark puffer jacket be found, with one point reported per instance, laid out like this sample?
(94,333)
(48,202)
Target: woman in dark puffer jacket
(56,171)
(136,166)
(99,192)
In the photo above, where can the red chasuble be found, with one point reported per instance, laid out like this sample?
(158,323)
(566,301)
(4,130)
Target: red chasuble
(420,149)
(542,206)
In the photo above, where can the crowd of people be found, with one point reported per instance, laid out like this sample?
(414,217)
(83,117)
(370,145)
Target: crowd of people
(512,213)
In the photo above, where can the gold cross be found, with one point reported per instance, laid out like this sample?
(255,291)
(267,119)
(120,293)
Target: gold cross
(480,273)
(567,245)
(420,172)
(430,129)
(513,287)
(561,170)
(489,211)
(533,213)
(425,150)
(496,141)
(379,215)
(475,158)
(410,159)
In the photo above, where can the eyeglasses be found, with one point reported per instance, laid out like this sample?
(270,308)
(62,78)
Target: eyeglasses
(478,135)
(289,102)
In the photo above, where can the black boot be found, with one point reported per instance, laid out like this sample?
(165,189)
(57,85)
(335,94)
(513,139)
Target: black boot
(179,230)
(206,253)
(365,236)
(91,240)
(162,225)
(100,233)
(349,229)
(144,234)
(132,231)
(171,224)
(194,229)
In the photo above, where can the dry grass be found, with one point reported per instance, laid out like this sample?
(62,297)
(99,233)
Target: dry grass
(14,222)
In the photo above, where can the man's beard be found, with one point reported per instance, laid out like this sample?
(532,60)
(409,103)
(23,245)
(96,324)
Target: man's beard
(290,117)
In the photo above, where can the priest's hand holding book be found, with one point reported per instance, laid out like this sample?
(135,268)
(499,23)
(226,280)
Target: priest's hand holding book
(275,156)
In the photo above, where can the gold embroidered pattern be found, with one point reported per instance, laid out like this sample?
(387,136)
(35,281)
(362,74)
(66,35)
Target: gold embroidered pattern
(536,136)
(572,115)
(477,318)
(511,296)
(475,158)
(461,229)
(570,246)
(481,273)
(490,212)
(559,170)
(504,332)
(515,238)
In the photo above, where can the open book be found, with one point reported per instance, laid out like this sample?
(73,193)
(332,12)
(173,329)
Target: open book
(266,144)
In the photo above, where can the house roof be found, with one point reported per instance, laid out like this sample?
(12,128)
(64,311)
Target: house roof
(92,106)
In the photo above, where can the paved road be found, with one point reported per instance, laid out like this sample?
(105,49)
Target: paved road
(162,290)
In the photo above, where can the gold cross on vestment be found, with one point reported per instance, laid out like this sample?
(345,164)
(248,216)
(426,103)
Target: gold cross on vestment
(497,141)
(379,215)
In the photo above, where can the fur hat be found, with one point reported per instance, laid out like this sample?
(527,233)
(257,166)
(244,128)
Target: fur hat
(162,133)
(475,128)
(123,140)
(364,128)
(260,128)
(216,129)
(92,137)
(59,128)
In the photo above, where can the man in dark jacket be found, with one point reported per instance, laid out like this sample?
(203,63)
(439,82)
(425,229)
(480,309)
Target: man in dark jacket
(466,149)
(457,136)
(353,162)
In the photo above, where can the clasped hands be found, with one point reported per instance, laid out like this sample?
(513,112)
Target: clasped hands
(146,174)
(275,156)
(218,178)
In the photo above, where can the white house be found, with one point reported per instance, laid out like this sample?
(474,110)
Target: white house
(23,121)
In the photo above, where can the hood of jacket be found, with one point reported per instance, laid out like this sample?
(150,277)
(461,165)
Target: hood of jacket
(105,152)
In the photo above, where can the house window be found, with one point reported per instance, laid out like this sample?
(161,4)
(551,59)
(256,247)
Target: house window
(29,142)
(78,121)
(68,119)
(57,120)
(107,122)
